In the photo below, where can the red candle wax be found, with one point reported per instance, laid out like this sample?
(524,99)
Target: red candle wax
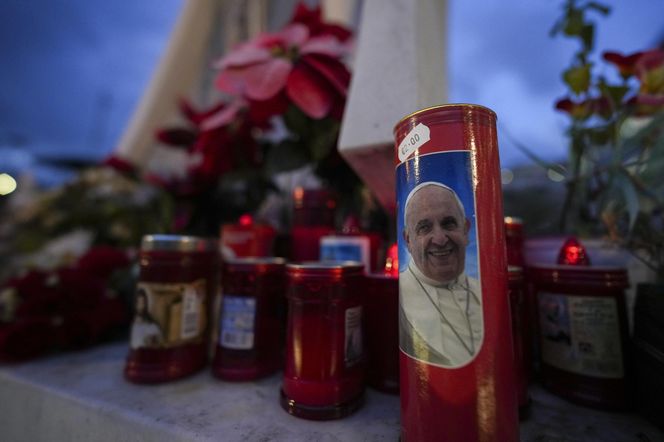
(324,372)
(381,314)
(313,218)
(250,339)
(521,337)
(169,332)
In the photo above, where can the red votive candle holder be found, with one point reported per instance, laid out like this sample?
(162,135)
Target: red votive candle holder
(324,370)
(381,319)
(313,218)
(251,326)
(582,329)
(170,329)
(521,335)
(514,241)
(247,238)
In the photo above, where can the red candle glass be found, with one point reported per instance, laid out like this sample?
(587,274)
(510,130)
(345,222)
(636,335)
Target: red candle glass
(247,239)
(313,218)
(582,328)
(381,319)
(521,335)
(251,330)
(324,372)
(456,360)
(169,333)
(514,241)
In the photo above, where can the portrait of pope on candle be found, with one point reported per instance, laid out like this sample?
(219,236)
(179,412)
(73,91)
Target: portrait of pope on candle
(441,305)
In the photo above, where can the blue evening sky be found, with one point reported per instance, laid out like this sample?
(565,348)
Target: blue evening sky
(73,70)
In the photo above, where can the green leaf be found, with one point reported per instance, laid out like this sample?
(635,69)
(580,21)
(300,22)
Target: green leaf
(574,22)
(287,155)
(297,122)
(587,35)
(324,137)
(614,93)
(630,196)
(602,9)
(556,28)
(600,135)
(578,78)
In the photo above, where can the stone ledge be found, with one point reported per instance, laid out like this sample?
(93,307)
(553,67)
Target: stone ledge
(83,397)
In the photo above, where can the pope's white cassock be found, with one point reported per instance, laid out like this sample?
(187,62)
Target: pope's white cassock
(440,323)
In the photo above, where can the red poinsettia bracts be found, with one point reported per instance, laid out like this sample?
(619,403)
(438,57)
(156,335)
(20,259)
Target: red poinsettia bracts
(300,63)
(649,69)
(583,109)
(218,139)
(624,63)
(69,307)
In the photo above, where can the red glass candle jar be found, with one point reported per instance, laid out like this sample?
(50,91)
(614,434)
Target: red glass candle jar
(247,238)
(456,364)
(514,241)
(176,284)
(582,329)
(381,319)
(521,336)
(324,370)
(313,218)
(251,326)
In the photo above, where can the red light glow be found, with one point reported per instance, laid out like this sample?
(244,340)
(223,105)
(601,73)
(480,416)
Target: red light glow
(573,253)
(246,220)
(392,261)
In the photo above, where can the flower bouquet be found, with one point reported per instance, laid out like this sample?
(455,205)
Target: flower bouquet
(283,98)
(68,255)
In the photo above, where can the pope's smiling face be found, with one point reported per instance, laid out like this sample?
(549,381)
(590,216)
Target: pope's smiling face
(436,233)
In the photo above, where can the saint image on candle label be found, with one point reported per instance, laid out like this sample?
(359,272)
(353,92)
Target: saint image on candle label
(441,319)
(168,315)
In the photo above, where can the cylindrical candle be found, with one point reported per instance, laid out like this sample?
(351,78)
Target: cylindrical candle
(176,284)
(313,218)
(582,328)
(521,337)
(324,369)
(457,365)
(250,338)
(514,241)
(381,318)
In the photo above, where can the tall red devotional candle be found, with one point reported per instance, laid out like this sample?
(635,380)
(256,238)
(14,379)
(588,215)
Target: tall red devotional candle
(456,361)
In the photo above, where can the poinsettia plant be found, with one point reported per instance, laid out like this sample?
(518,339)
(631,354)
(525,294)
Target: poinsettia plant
(67,254)
(616,133)
(283,99)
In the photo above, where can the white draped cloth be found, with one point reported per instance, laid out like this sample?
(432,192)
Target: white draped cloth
(440,323)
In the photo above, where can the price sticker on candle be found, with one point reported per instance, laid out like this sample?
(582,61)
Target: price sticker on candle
(419,135)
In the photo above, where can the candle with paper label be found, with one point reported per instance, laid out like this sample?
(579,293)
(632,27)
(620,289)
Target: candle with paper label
(324,370)
(457,366)
(352,244)
(251,328)
(176,284)
(582,328)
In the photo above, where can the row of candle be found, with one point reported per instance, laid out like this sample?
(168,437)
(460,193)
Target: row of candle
(326,323)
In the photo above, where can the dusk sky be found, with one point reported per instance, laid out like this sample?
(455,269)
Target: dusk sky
(74,70)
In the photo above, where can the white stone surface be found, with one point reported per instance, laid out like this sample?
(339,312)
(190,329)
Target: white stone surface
(83,397)
(400,67)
